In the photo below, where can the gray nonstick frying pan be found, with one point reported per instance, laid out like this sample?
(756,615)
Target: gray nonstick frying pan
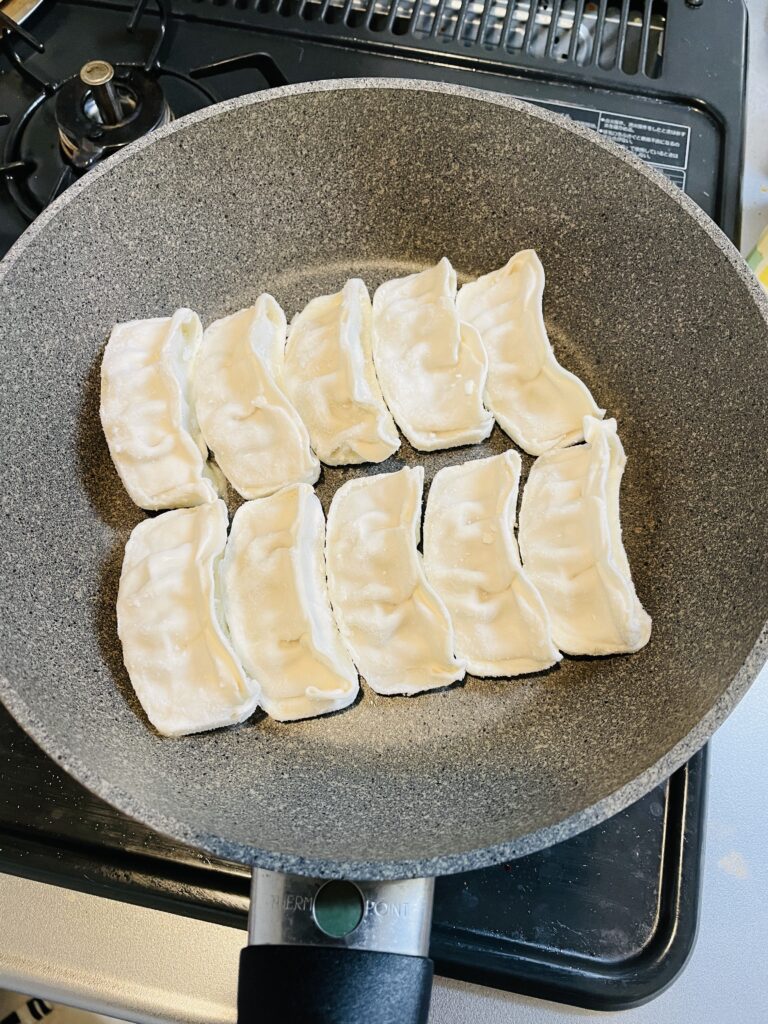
(293,191)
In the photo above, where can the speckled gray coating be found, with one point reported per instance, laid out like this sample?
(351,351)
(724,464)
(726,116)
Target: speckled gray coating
(293,191)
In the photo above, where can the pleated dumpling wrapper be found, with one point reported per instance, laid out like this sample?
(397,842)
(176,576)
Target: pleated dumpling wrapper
(175,646)
(148,414)
(431,367)
(329,377)
(471,559)
(570,541)
(397,629)
(276,605)
(247,420)
(535,400)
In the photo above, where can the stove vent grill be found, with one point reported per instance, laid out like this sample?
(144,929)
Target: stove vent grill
(625,37)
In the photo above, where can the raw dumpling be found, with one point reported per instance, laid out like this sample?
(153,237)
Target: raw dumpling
(570,540)
(471,559)
(537,402)
(148,416)
(396,627)
(431,367)
(276,605)
(329,377)
(257,436)
(175,648)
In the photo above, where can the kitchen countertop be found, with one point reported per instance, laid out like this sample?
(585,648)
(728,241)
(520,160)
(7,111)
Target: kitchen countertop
(725,981)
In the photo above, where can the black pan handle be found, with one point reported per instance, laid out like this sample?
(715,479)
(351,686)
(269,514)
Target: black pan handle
(336,952)
(327,985)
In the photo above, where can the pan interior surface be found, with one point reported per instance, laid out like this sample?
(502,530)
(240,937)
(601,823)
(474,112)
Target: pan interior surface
(292,194)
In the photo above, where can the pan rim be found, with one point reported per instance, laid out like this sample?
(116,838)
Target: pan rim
(462,860)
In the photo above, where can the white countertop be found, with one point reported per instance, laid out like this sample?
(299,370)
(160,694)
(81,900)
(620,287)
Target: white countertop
(725,982)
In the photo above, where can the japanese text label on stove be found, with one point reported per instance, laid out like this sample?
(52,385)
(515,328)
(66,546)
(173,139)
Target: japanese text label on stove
(662,144)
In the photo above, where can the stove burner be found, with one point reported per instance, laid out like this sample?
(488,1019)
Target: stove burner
(104,108)
(74,122)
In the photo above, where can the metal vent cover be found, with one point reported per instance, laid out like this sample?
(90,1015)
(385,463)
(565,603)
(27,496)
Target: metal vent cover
(622,36)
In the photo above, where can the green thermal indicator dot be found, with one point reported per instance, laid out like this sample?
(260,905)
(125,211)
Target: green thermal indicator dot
(338,908)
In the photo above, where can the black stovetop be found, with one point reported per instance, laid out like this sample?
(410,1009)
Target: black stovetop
(608,918)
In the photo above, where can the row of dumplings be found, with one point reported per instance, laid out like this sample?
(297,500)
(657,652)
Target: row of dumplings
(283,614)
(271,402)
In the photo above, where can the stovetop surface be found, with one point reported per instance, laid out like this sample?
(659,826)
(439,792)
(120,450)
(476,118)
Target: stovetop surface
(686,119)
(605,919)
(608,918)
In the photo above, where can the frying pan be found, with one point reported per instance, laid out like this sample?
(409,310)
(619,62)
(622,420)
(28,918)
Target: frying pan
(293,191)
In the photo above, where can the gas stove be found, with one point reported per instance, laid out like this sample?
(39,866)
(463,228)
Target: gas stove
(608,918)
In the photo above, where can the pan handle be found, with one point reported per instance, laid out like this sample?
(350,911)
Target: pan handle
(323,985)
(336,952)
